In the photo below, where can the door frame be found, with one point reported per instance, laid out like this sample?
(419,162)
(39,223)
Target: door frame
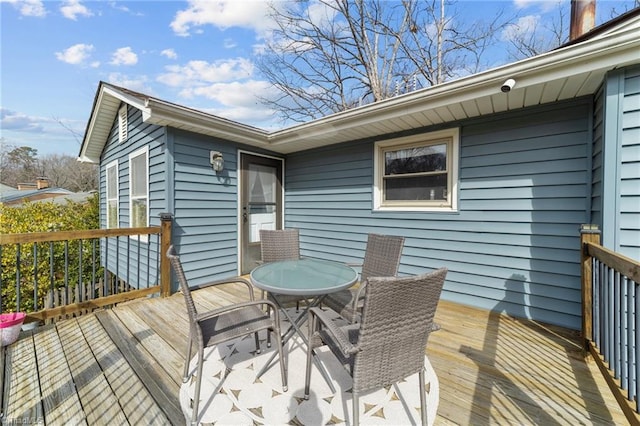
(239,187)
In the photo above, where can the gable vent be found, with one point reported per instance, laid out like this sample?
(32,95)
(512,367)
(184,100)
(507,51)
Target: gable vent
(123,124)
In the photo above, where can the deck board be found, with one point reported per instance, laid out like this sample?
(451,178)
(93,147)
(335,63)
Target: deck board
(60,399)
(136,402)
(99,402)
(492,369)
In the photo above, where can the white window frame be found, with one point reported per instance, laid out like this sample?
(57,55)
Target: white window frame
(143,151)
(114,165)
(452,139)
(123,124)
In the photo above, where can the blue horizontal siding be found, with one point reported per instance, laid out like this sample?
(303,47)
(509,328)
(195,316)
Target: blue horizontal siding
(513,246)
(205,207)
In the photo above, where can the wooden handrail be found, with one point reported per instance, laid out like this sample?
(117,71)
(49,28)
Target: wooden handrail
(625,265)
(37,237)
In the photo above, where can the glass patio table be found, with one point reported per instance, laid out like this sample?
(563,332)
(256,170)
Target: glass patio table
(312,278)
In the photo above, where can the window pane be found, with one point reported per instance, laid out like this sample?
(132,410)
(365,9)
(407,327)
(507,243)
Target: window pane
(262,184)
(139,176)
(111,182)
(432,187)
(139,213)
(419,159)
(113,214)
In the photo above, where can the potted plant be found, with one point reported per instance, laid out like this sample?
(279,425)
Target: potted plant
(10,325)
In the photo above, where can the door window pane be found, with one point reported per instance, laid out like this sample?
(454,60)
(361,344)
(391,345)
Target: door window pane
(262,184)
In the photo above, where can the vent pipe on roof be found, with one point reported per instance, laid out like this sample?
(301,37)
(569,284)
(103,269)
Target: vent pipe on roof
(583,17)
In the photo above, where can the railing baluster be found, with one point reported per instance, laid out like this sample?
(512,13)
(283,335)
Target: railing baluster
(35,276)
(625,325)
(138,264)
(81,286)
(617,312)
(66,271)
(1,305)
(636,355)
(129,259)
(51,273)
(92,285)
(18,261)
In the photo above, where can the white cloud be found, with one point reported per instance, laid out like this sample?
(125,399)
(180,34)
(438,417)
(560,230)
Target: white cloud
(19,122)
(28,7)
(72,8)
(76,54)
(229,43)
(169,53)
(222,14)
(524,26)
(124,56)
(196,73)
(138,83)
(544,5)
(232,94)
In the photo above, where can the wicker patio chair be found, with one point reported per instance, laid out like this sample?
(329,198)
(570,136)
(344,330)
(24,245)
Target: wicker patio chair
(281,244)
(224,324)
(389,343)
(381,259)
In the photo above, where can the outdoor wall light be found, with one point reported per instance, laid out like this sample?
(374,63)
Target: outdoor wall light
(508,85)
(216,160)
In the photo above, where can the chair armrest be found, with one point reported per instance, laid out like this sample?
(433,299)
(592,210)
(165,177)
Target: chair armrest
(236,306)
(230,280)
(341,339)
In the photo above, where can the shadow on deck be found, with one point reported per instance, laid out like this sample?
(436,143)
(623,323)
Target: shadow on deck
(124,365)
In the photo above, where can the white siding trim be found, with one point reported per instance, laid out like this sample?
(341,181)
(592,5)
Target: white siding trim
(113,164)
(452,136)
(143,151)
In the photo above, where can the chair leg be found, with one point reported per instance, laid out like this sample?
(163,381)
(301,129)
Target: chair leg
(356,409)
(185,375)
(258,342)
(196,392)
(283,366)
(423,397)
(307,376)
(268,333)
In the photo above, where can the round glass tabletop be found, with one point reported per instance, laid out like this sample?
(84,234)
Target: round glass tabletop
(303,277)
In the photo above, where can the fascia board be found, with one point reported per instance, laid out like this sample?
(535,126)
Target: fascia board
(162,113)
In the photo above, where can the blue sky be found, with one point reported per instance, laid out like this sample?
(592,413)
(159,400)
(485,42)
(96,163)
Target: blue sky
(195,53)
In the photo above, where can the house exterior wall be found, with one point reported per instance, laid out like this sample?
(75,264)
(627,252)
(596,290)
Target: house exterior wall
(139,136)
(205,206)
(616,162)
(513,244)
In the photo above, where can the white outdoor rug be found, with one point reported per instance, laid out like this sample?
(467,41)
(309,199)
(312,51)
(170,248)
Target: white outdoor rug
(231,395)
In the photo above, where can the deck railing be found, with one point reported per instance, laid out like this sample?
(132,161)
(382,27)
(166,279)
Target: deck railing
(611,318)
(51,275)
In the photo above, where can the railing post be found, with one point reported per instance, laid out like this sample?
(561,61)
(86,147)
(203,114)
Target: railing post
(166,220)
(588,234)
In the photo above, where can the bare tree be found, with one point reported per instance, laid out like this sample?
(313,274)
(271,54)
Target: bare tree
(331,55)
(64,171)
(22,165)
(529,36)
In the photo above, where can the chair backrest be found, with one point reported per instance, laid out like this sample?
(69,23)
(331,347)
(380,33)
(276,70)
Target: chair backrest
(397,318)
(382,256)
(184,286)
(281,244)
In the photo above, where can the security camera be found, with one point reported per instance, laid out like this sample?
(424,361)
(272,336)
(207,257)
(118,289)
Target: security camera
(508,85)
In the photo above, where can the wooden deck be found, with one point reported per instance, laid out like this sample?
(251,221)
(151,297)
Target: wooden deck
(123,365)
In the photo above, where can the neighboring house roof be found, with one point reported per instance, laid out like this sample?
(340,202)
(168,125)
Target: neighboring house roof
(573,70)
(6,188)
(15,196)
(76,197)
